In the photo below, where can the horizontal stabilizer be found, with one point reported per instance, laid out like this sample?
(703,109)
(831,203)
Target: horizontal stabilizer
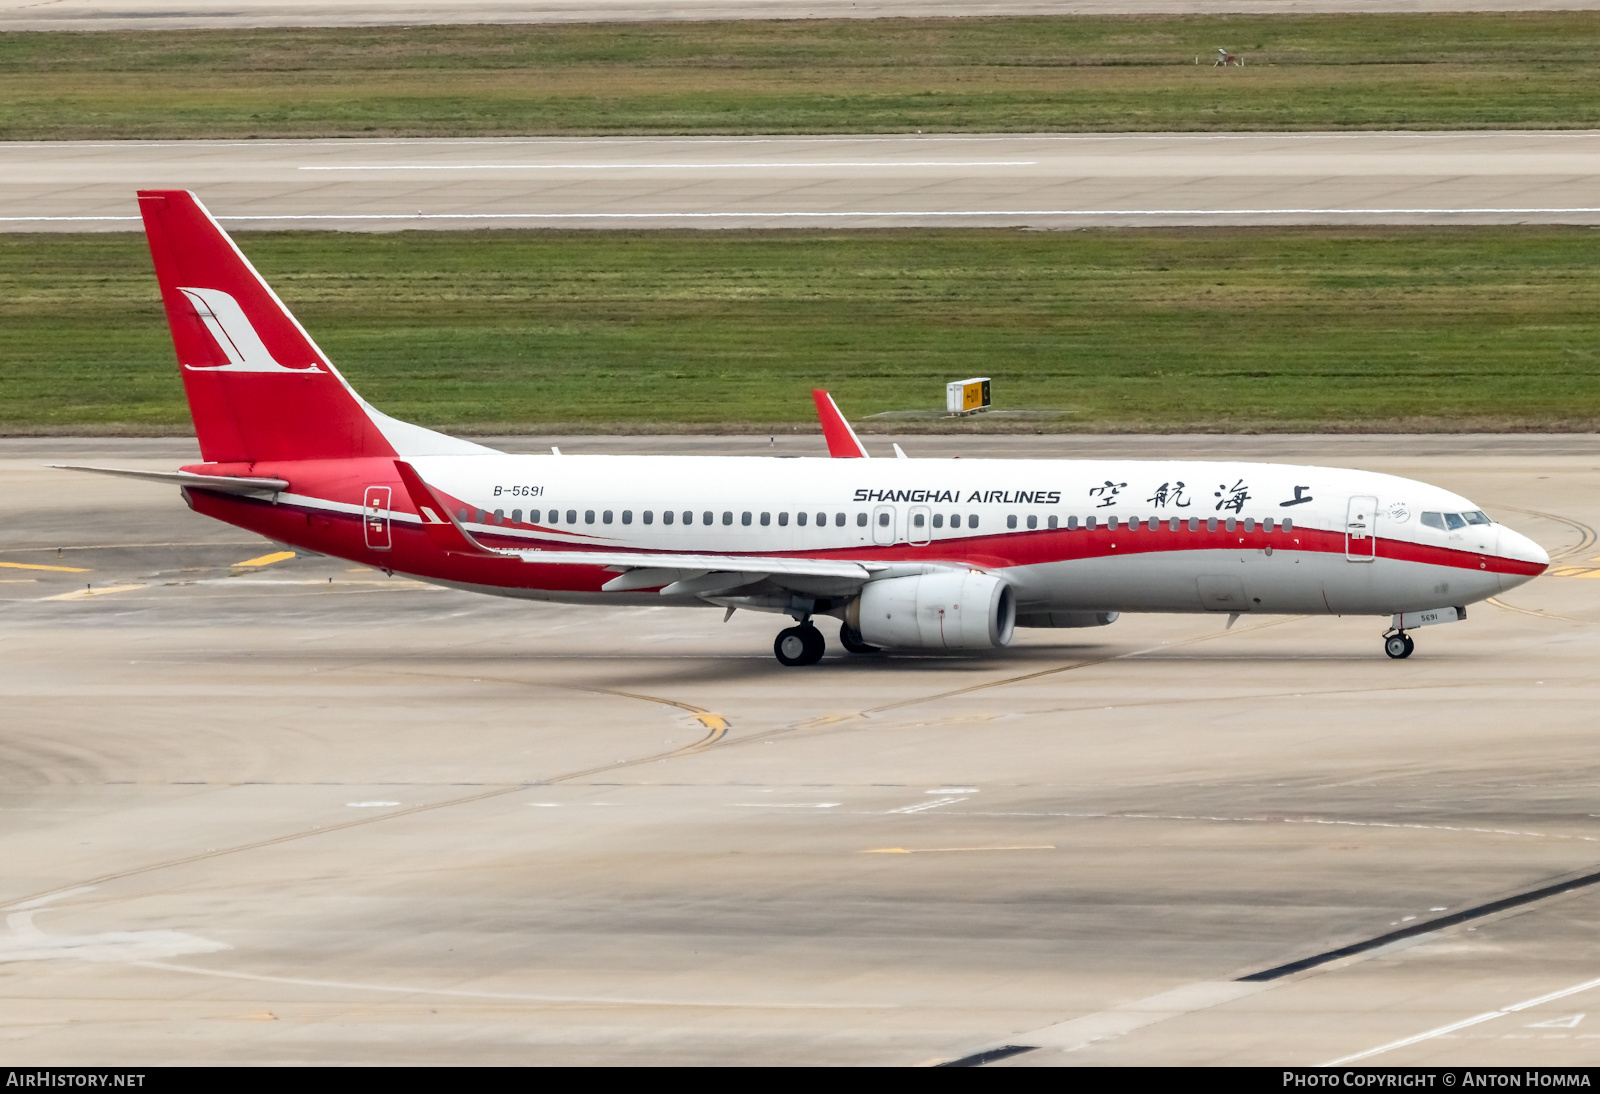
(223,484)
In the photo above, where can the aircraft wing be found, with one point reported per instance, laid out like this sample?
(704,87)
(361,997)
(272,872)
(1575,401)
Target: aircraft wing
(690,574)
(677,572)
(226,484)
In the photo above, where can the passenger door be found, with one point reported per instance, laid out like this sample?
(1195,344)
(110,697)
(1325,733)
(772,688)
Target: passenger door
(883,524)
(375,516)
(1360,528)
(920,530)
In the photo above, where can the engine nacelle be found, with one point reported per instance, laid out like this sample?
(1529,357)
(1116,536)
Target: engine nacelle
(948,611)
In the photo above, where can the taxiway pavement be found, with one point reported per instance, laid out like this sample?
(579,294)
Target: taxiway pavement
(196,14)
(1041,181)
(298,811)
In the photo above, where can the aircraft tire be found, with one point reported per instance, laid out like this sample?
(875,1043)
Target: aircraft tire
(1399,646)
(802,645)
(850,639)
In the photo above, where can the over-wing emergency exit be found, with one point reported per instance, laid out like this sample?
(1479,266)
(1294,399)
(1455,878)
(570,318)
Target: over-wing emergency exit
(904,553)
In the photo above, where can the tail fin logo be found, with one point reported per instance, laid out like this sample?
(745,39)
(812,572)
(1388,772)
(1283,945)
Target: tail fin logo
(234,335)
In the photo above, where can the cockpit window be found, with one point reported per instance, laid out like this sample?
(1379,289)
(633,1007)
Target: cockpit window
(1433,520)
(1477,516)
(1453,521)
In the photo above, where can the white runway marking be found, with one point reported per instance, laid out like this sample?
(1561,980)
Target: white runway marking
(1465,1022)
(923,807)
(41,901)
(519,997)
(708,166)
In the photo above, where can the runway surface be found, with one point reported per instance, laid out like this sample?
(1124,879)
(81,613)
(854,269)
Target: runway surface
(164,15)
(297,811)
(1043,181)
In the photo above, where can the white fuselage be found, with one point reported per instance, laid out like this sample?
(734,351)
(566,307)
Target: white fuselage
(1167,536)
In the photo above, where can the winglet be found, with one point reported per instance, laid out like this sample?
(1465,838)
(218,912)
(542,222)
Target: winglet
(444,530)
(842,441)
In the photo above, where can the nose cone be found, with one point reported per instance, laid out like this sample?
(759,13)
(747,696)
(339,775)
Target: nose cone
(1528,559)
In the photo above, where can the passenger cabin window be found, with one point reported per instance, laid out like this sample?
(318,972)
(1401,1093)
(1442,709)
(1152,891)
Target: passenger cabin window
(1249,524)
(1011,521)
(783,520)
(516,516)
(918,520)
(1433,520)
(649,517)
(627,516)
(688,517)
(1266,525)
(707,518)
(972,520)
(883,520)
(1033,522)
(588,516)
(938,520)
(800,519)
(1072,524)
(1089,523)
(861,519)
(1288,525)
(838,519)
(727,517)
(572,516)
(666,517)
(766,519)
(744,519)
(1454,522)
(606,517)
(1053,522)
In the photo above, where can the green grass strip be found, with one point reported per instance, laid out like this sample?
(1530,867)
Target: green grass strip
(1166,329)
(1059,74)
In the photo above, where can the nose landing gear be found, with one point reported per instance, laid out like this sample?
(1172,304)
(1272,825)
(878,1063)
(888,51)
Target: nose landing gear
(802,645)
(1398,645)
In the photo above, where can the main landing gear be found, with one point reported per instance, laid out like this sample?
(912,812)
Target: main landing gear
(1398,645)
(802,645)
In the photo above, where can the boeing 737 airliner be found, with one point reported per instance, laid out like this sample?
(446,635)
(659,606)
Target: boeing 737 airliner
(906,553)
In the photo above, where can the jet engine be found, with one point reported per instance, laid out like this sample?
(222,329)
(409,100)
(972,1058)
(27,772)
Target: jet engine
(947,610)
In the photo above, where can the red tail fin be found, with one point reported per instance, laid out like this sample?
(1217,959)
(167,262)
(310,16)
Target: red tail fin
(258,386)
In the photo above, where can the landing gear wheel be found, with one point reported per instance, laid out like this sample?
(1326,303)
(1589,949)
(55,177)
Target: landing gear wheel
(1399,646)
(802,645)
(850,639)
